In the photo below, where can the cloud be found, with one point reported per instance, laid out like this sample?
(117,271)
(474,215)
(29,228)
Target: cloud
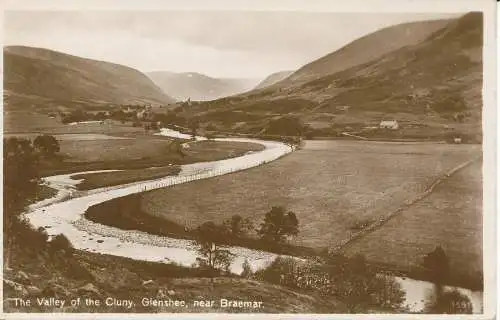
(226,44)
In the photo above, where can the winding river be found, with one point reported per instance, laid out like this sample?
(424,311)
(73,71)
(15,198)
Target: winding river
(64,214)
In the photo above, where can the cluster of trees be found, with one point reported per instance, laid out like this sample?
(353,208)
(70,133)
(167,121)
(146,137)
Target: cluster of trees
(213,238)
(362,287)
(352,281)
(286,126)
(21,177)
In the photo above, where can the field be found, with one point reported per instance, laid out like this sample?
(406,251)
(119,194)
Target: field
(332,186)
(143,158)
(105,179)
(450,217)
(113,145)
(16,122)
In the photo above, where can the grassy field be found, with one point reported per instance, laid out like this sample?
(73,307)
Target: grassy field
(105,179)
(332,186)
(86,147)
(143,158)
(17,122)
(450,217)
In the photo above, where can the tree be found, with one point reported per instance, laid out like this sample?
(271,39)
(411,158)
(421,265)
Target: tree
(450,302)
(210,238)
(154,126)
(247,270)
(388,293)
(20,184)
(47,145)
(278,224)
(193,126)
(238,226)
(176,147)
(287,126)
(438,265)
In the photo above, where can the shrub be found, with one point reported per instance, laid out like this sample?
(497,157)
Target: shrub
(61,244)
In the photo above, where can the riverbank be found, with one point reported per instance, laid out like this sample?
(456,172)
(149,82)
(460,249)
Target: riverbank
(66,217)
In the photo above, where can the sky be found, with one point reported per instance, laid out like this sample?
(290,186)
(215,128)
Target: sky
(226,44)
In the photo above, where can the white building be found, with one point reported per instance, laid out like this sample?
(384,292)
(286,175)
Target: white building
(389,124)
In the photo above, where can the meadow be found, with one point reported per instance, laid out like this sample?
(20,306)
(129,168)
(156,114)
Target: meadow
(332,186)
(450,217)
(116,145)
(197,152)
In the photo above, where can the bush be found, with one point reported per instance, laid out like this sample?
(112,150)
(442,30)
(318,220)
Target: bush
(283,271)
(61,244)
(450,302)
(247,270)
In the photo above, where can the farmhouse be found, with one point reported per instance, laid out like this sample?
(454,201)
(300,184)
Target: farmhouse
(389,124)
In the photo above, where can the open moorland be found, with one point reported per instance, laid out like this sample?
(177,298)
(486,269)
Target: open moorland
(334,187)
(449,217)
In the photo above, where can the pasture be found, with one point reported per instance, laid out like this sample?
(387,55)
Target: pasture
(24,122)
(451,217)
(142,158)
(332,186)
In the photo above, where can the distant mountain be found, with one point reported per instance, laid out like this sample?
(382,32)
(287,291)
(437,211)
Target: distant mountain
(423,73)
(47,77)
(198,86)
(273,78)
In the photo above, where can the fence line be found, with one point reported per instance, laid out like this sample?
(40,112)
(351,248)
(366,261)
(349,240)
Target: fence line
(381,221)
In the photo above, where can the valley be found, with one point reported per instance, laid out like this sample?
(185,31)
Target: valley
(351,184)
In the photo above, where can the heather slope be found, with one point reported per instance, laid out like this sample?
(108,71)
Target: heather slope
(430,80)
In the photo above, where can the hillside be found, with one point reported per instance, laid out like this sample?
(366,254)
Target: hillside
(198,87)
(367,48)
(433,84)
(273,78)
(45,78)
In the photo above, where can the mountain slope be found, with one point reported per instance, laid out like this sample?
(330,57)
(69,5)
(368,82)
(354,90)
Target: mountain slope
(443,74)
(197,86)
(367,48)
(273,78)
(436,82)
(46,76)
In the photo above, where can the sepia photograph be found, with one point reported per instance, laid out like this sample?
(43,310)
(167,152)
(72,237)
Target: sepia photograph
(248,161)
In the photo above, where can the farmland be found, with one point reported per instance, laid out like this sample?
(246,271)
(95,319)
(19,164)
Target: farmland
(450,217)
(198,151)
(332,186)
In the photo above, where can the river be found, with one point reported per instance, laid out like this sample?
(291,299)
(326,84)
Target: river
(64,214)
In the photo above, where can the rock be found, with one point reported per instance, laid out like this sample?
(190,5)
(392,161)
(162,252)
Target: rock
(22,277)
(100,241)
(89,288)
(17,287)
(34,291)
(55,290)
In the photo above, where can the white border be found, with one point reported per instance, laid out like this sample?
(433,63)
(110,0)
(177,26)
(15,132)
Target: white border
(490,117)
